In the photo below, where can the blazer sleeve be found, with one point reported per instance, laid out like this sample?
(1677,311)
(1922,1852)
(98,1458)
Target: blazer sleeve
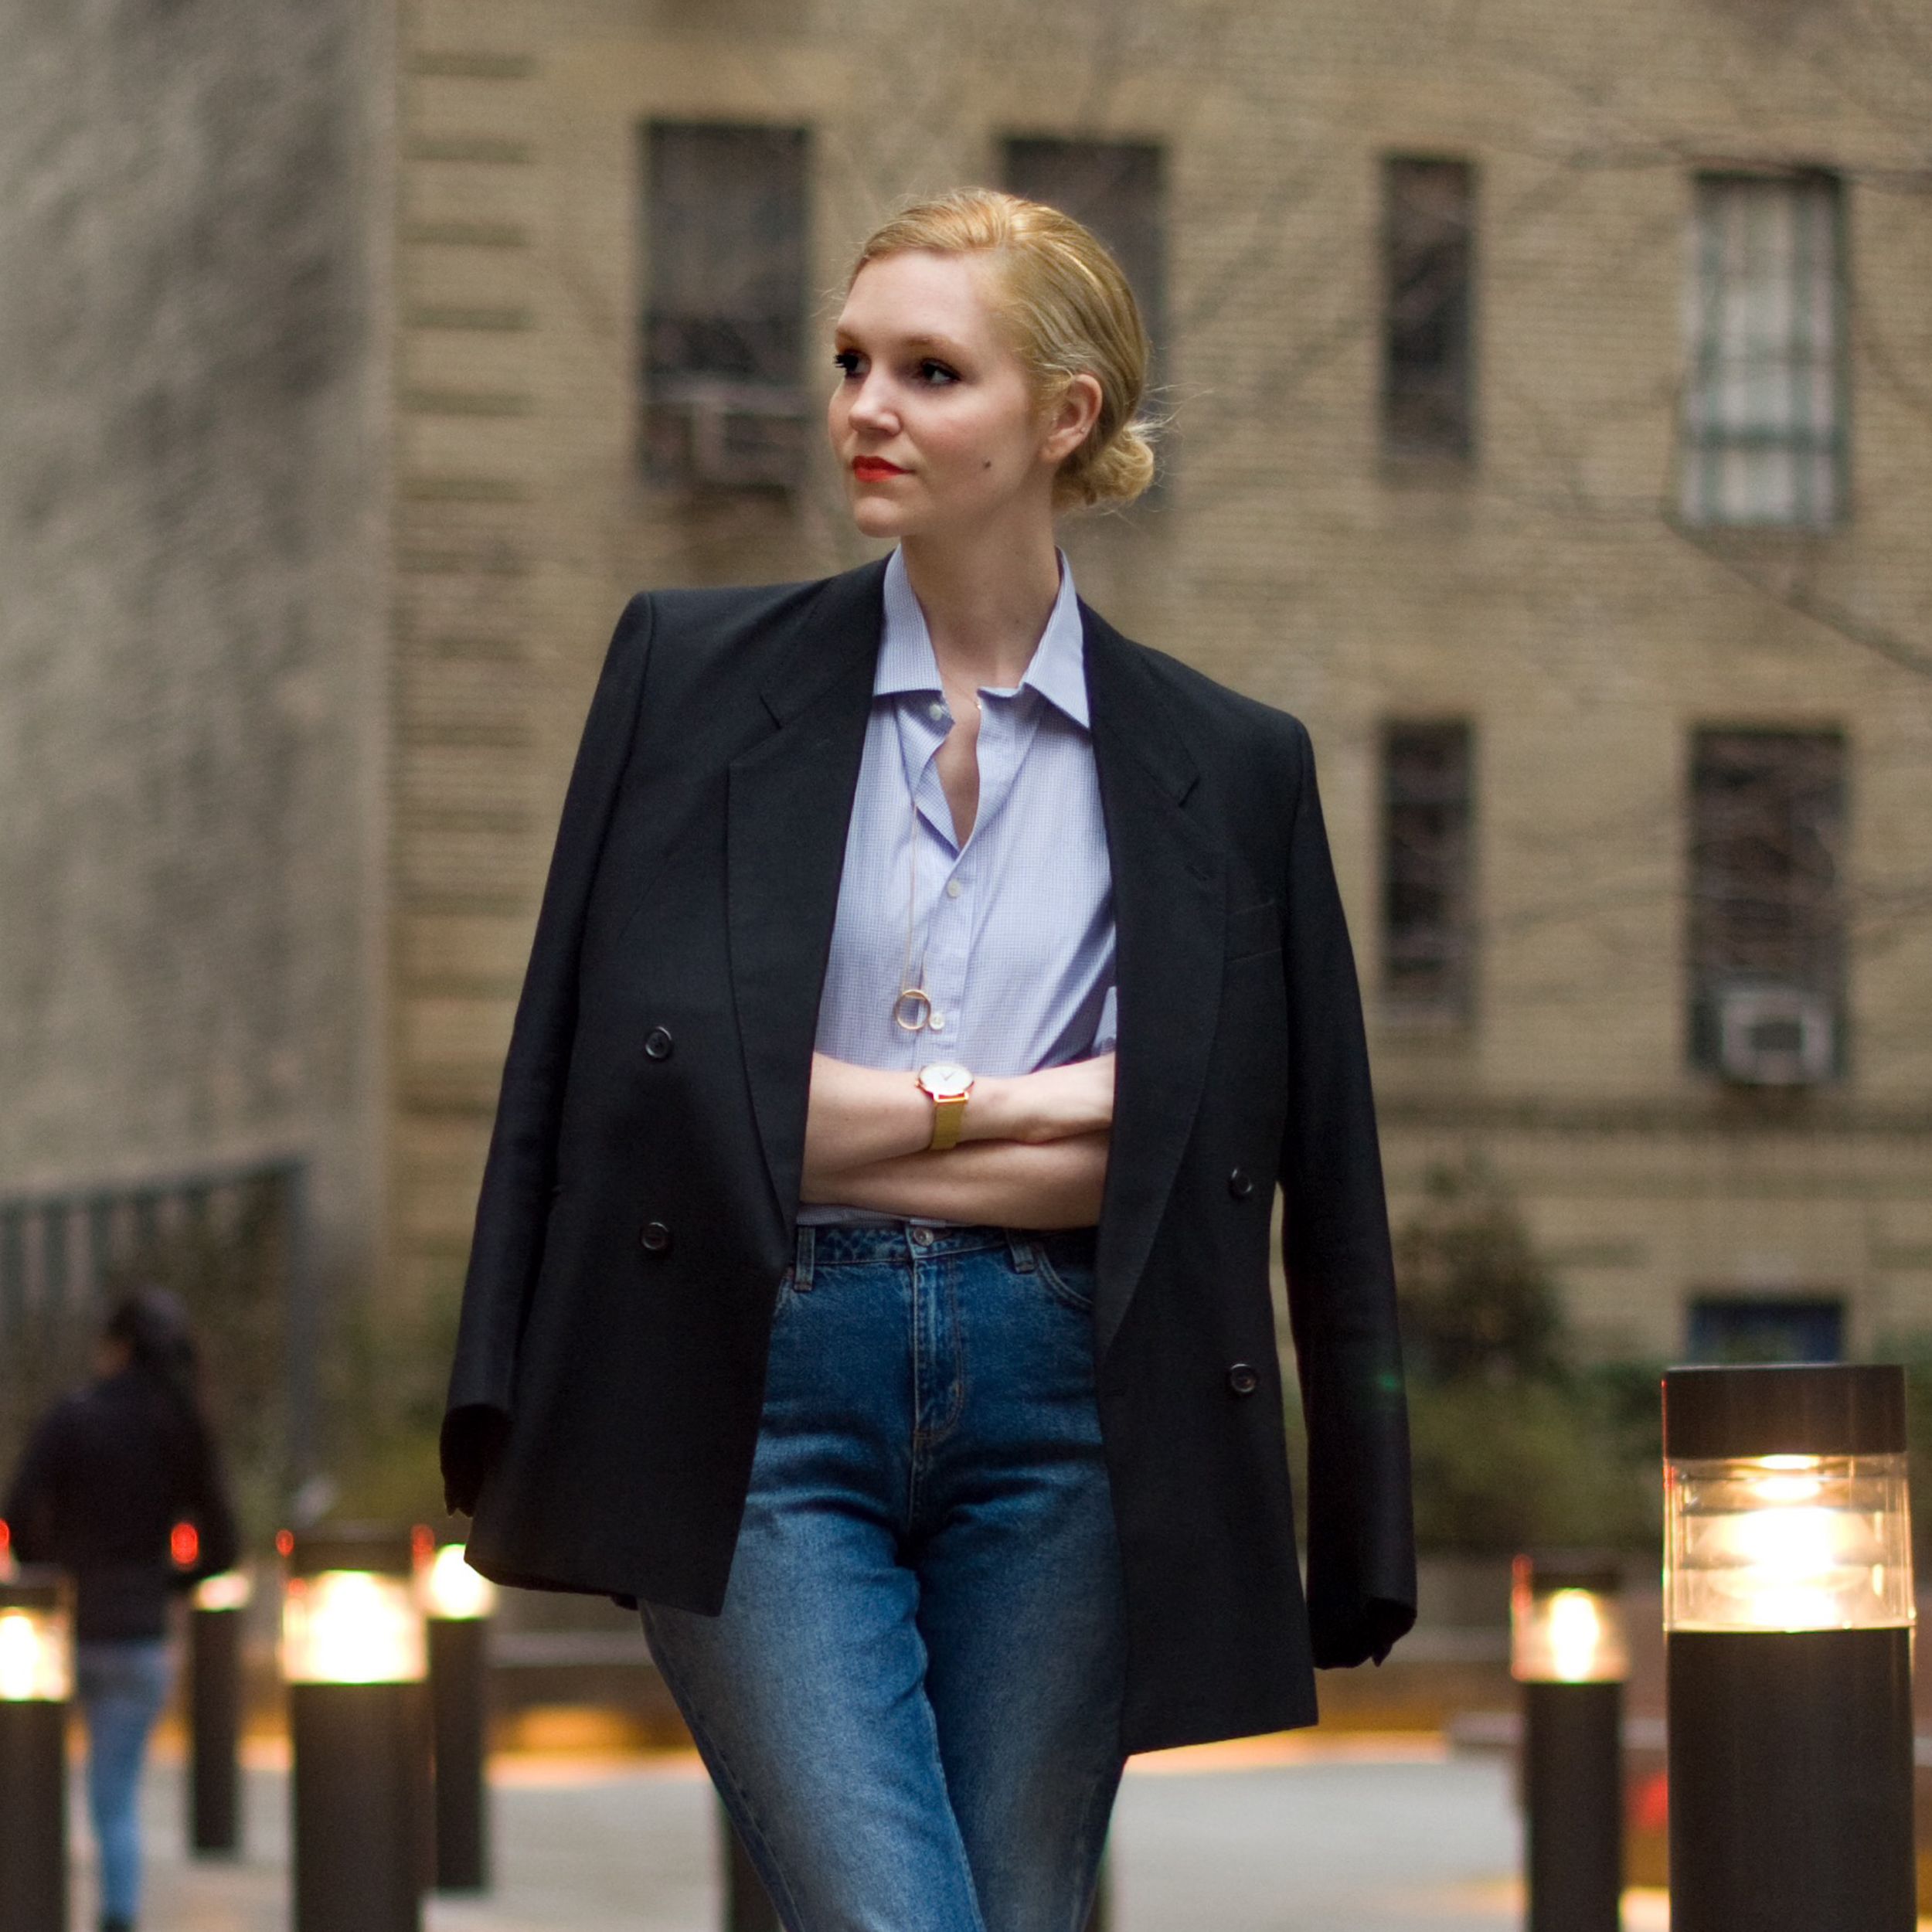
(507,1249)
(1341,1273)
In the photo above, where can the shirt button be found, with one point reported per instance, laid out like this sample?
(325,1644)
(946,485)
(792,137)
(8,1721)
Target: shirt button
(657,1044)
(935,712)
(1239,1185)
(1242,1379)
(939,1023)
(952,889)
(656,1238)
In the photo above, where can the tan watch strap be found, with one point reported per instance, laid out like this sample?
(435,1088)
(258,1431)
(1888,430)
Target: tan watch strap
(949,1115)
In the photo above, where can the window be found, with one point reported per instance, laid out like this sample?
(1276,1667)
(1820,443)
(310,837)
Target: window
(1740,1329)
(1767,918)
(724,325)
(1428,246)
(1118,189)
(1763,438)
(1427,936)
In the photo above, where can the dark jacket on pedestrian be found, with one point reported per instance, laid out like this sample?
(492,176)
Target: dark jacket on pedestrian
(107,1474)
(638,1205)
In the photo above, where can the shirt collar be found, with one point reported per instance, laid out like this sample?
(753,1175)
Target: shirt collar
(1058,671)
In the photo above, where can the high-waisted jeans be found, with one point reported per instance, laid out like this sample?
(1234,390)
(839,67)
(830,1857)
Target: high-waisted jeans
(911,1701)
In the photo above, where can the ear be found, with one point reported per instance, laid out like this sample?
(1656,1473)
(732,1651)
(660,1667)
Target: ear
(1071,419)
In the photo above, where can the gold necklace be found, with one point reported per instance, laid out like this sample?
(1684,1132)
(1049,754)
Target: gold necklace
(913,998)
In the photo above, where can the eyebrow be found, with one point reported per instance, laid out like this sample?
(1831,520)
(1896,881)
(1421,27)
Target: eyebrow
(944,343)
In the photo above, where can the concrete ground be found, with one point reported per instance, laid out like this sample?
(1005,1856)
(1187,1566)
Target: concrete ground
(1376,1836)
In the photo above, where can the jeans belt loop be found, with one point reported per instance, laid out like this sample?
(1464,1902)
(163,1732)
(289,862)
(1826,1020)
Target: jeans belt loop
(802,1256)
(1020,1245)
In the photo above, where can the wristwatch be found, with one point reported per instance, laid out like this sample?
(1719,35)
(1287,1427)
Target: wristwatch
(945,1086)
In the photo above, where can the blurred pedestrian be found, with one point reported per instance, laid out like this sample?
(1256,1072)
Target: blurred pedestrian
(830,1295)
(109,1473)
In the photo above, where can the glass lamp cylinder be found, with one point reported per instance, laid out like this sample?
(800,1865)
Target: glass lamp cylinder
(1566,1622)
(1788,1611)
(452,1590)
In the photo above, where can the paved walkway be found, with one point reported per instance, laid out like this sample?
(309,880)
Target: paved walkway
(1380,1838)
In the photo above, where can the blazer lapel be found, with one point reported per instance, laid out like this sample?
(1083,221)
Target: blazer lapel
(788,803)
(1170,915)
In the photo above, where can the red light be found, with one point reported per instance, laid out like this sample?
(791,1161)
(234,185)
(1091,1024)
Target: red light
(184,1545)
(1650,1810)
(284,1542)
(422,1543)
(6,1536)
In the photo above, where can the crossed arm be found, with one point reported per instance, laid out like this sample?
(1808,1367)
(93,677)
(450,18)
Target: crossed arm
(1032,1150)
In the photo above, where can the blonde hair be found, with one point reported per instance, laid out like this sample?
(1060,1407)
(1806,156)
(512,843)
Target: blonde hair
(1069,310)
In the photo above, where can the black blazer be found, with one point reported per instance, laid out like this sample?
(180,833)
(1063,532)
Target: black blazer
(639,1202)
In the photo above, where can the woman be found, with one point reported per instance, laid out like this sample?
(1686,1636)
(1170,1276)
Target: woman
(107,1475)
(838,1292)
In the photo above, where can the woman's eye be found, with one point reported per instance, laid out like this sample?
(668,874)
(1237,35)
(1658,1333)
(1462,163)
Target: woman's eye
(936,373)
(846,361)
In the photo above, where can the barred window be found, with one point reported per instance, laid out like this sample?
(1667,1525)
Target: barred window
(1764,430)
(1428,951)
(1428,247)
(1118,189)
(1767,918)
(725,252)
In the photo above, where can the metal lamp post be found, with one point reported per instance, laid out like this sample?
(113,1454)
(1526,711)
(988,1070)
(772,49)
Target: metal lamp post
(215,1622)
(352,1657)
(459,1603)
(36,1680)
(1568,1652)
(1787,1614)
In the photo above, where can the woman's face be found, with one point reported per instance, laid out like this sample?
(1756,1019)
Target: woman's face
(933,424)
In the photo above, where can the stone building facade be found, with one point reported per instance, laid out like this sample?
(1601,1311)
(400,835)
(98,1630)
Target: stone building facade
(1549,400)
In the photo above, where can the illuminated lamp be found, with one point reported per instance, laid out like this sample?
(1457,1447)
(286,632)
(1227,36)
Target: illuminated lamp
(215,1629)
(36,1680)
(1568,1652)
(1787,1614)
(459,1603)
(353,1654)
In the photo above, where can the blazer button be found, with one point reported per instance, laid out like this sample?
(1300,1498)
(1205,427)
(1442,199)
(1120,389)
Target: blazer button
(656,1238)
(1240,1184)
(1242,1379)
(657,1044)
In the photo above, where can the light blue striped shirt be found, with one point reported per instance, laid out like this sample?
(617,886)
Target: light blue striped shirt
(1015,927)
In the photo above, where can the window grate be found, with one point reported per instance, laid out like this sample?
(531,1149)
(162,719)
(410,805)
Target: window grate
(1427,936)
(722,357)
(1762,439)
(1428,383)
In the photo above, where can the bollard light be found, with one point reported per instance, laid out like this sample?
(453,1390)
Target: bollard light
(215,1630)
(36,1680)
(1789,1610)
(459,1603)
(352,1655)
(1568,1651)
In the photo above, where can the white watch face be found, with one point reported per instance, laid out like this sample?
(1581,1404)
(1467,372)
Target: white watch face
(944,1081)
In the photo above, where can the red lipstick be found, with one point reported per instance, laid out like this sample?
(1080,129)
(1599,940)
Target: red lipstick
(875,469)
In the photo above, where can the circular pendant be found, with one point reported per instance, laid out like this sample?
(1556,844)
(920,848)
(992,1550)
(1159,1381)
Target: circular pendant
(912,1009)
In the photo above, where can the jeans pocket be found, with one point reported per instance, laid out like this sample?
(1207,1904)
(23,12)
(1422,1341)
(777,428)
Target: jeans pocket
(1066,1279)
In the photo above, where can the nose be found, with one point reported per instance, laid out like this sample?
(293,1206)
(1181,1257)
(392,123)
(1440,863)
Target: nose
(870,406)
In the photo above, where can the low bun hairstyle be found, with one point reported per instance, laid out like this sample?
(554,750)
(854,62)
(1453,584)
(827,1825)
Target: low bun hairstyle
(1069,311)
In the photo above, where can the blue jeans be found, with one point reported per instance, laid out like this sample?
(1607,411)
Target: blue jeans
(911,1701)
(122,1686)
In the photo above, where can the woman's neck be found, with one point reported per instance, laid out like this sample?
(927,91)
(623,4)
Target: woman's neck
(986,601)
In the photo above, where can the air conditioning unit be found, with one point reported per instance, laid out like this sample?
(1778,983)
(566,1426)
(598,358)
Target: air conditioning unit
(730,436)
(1775,1036)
